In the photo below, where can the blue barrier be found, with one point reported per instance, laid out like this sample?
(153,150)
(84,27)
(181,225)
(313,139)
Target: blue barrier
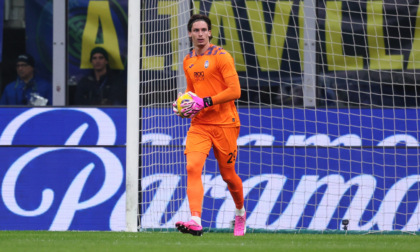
(63,169)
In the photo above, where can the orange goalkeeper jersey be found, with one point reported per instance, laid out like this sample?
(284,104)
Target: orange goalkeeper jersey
(214,74)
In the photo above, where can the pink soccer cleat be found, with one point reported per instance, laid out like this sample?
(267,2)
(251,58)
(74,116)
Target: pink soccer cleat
(190,227)
(240,225)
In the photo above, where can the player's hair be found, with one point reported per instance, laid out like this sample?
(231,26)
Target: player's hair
(199,17)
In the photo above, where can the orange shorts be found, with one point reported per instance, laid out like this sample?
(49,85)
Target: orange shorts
(202,138)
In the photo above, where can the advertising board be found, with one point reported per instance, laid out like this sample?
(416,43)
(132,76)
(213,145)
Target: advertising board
(64,169)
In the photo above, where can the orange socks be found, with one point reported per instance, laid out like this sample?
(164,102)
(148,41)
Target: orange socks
(234,183)
(195,190)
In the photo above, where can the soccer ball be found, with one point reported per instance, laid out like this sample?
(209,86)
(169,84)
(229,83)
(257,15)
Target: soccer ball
(182,99)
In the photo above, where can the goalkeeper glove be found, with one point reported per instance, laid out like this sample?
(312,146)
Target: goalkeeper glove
(175,106)
(191,108)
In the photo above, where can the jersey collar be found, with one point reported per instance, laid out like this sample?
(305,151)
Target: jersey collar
(207,52)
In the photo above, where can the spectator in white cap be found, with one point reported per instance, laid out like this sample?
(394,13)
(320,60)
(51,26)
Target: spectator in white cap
(27,89)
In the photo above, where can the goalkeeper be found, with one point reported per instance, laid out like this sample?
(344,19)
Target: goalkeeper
(213,83)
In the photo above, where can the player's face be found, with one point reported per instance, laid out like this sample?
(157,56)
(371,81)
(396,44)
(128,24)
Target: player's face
(200,34)
(98,62)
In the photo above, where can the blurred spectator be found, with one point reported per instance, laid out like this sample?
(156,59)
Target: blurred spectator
(27,89)
(102,86)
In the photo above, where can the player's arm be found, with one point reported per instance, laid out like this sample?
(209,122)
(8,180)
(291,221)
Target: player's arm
(226,66)
(232,92)
(190,88)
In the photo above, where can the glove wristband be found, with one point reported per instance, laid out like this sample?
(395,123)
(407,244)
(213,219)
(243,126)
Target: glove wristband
(207,101)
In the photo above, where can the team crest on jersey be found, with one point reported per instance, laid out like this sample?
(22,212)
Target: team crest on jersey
(206,64)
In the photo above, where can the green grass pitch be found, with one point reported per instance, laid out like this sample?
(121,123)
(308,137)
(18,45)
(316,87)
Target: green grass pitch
(214,242)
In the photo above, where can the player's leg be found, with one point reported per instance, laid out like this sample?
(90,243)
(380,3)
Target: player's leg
(196,151)
(195,192)
(225,151)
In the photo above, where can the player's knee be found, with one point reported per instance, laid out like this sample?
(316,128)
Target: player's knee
(193,170)
(229,178)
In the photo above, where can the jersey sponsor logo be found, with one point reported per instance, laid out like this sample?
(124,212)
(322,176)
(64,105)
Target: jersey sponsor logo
(199,76)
